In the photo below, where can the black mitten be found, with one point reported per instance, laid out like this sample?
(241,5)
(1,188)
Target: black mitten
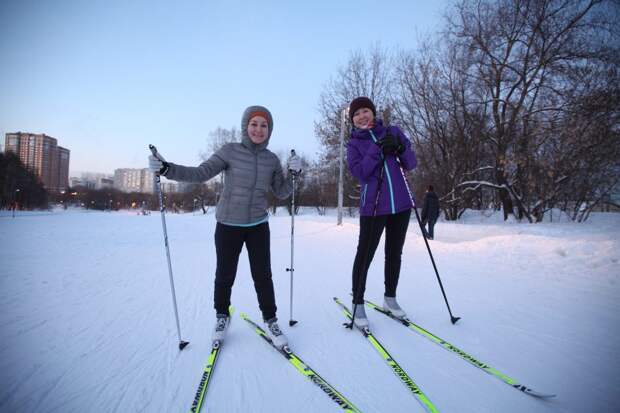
(390,145)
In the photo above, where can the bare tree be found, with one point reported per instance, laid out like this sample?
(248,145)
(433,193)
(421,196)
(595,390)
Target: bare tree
(365,74)
(218,138)
(20,188)
(516,105)
(431,104)
(591,133)
(518,51)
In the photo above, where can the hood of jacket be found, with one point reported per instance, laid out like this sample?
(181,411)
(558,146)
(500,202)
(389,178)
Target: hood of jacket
(245,119)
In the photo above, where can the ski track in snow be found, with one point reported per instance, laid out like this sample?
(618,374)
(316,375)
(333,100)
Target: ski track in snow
(87,323)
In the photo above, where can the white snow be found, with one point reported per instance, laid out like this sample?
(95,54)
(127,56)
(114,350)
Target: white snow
(87,323)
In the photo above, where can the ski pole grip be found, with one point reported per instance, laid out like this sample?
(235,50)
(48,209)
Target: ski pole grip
(158,157)
(154,151)
(295,173)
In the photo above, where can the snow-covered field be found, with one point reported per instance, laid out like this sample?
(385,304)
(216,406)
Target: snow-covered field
(87,323)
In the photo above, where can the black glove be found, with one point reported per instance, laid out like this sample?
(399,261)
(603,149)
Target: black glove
(390,145)
(165,166)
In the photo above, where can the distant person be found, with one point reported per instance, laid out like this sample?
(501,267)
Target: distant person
(376,155)
(430,212)
(251,171)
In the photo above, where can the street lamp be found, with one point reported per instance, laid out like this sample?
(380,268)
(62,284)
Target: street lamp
(343,119)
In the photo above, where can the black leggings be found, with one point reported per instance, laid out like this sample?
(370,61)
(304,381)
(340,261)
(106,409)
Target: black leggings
(228,243)
(395,231)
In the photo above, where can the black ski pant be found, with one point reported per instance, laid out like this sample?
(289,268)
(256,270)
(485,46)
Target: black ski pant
(228,243)
(431,227)
(371,228)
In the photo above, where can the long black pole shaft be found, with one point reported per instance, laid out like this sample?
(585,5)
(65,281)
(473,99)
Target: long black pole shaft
(453,319)
(291,321)
(162,210)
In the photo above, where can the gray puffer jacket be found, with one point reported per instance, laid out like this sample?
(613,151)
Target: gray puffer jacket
(250,171)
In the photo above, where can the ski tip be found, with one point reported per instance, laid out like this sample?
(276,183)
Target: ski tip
(533,393)
(291,323)
(454,319)
(183,344)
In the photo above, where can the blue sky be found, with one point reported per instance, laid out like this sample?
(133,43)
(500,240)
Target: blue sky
(106,78)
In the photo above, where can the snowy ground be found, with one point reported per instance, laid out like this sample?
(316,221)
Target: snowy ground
(87,324)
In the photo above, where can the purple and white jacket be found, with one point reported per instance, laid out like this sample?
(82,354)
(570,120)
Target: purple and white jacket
(369,166)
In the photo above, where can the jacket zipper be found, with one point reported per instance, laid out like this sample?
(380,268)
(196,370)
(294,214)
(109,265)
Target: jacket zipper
(387,173)
(253,186)
(364,195)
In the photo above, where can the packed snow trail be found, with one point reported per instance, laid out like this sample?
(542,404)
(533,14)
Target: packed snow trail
(86,324)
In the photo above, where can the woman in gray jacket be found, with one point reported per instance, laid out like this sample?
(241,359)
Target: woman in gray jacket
(250,172)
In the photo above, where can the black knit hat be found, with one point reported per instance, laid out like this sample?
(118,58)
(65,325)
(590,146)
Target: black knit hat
(361,102)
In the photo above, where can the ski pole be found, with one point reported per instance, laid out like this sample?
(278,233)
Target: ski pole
(292,322)
(453,319)
(162,209)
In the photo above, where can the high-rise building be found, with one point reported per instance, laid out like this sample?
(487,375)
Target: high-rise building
(41,155)
(63,168)
(103,183)
(134,180)
(93,180)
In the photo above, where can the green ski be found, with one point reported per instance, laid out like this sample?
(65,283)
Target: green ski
(208,372)
(304,369)
(400,373)
(483,366)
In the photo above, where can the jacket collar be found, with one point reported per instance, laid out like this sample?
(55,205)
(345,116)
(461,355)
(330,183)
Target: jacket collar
(247,142)
(377,130)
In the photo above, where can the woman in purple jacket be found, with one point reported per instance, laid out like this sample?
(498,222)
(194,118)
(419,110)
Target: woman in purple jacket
(377,155)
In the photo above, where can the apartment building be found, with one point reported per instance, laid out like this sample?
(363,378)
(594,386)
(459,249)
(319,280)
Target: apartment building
(134,180)
(41,155)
